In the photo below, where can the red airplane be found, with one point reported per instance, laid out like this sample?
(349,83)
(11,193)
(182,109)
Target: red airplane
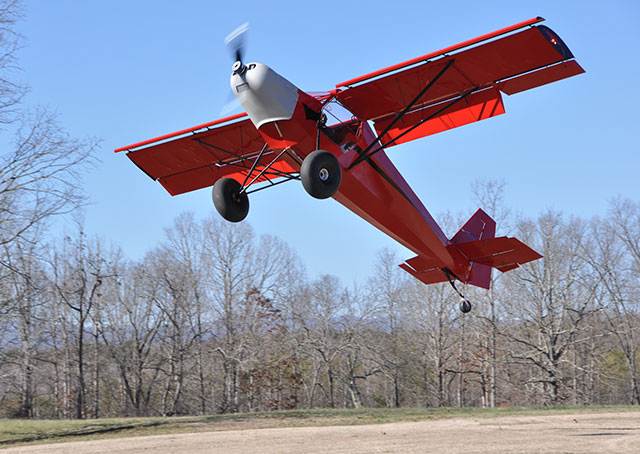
(326,141)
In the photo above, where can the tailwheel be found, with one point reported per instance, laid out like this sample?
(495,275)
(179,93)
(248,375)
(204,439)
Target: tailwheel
(465,305)
(321,174)
(231,202)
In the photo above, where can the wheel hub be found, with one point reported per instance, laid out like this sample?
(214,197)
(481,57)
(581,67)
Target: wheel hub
(324,174)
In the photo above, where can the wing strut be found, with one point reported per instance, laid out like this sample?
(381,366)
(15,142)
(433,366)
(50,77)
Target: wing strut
(429,117)
(267,170)
(267,167)
(365,154)
(253,166)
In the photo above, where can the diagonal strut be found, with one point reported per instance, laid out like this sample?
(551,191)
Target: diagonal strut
(363,154)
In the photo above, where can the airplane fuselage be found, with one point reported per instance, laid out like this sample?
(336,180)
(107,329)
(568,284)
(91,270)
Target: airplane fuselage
(288,117)
(317,139)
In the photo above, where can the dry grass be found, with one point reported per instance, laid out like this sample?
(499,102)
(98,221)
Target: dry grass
(18,432)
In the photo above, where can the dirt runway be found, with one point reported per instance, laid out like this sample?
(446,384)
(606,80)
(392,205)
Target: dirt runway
(578,433)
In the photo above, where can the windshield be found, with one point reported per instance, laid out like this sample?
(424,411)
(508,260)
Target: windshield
(341,126)
(336,113)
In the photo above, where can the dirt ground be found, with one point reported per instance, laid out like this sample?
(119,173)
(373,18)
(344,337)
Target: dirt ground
(580,433)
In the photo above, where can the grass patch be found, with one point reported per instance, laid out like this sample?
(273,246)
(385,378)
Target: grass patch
(20,431)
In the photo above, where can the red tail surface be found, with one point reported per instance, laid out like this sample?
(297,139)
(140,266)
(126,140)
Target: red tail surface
(476,243)
(479,227)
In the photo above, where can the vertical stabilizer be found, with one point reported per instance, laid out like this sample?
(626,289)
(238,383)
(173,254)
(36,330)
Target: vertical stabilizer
(480,226)
(477,251)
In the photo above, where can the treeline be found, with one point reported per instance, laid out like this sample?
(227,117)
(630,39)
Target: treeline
(215,319)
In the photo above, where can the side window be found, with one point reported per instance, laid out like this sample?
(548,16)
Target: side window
(341,126)
(336,113)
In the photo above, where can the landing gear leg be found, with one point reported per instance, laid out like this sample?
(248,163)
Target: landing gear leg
(465,305)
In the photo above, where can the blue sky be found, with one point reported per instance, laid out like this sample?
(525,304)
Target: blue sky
(127,71)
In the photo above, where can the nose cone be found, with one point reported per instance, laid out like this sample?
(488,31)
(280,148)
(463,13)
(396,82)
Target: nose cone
(238,68)
(265,95)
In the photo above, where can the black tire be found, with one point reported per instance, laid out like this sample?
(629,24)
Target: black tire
(321,174)
(230,205)
(465,306)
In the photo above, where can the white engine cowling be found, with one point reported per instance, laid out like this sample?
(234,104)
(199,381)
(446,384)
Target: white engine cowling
(264,94)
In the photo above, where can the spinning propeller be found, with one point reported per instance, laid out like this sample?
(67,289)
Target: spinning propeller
(236,43)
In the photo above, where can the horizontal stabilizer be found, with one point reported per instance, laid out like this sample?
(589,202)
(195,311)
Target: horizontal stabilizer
(431,275)
(502,253)
(476,252)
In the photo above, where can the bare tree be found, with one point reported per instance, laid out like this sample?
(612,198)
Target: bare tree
(27,304)
(625,215)
(434,319)
(11,91)
(178,267)
(41,173)
(78,271)
(42,177)
(229,249)
(129,326)
(614,255)
(489,194)
(388,290)
(550,300)
(325,338)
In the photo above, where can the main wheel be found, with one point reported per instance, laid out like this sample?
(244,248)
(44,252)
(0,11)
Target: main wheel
(465,306)
(230,203)
(321,174)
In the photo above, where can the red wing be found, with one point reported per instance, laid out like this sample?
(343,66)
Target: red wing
(198,157)
(513,63)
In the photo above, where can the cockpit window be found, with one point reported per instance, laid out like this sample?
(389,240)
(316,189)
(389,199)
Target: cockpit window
(336,113)
(341,126)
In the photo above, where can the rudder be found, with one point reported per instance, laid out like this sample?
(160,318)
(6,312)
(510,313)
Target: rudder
(480,226)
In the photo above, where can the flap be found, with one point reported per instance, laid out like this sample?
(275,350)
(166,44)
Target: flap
(206,176)
(433,119)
